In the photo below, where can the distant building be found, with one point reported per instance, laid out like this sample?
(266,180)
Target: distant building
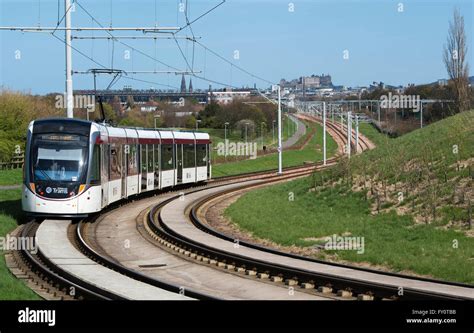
(310,82)
(442,82)
(227,97)
(183,84)
(190,86)
(325,80)
(150,106)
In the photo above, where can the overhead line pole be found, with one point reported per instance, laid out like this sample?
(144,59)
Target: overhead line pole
(280,147)
(69,91)
(324,133)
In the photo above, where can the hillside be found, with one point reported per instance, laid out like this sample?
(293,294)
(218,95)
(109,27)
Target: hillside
(409,199)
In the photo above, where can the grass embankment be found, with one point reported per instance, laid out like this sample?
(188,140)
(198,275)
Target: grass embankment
(11,177)
(10,213)
(311,152)
(371,133)
(409,199)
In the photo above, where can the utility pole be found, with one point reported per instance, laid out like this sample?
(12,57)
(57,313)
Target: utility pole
(69,96)
(225,139)
(378,111)
(349,133)
(280,148)
(324,133)
(357,134)
(273,132)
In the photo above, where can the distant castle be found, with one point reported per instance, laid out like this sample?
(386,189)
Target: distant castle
(308,82)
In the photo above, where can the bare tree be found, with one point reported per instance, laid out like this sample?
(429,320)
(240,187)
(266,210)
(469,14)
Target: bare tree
(455,55)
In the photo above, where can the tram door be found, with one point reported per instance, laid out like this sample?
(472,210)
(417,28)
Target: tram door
(179,160)
(125,152)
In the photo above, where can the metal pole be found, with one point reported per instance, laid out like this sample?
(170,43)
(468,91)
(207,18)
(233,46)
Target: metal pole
(225,141)
(378,111)
(357,134)
(69,96)
(349,133)
(280,148)
(324,133)
(273,132)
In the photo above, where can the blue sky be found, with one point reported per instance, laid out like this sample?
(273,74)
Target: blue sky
(273,42)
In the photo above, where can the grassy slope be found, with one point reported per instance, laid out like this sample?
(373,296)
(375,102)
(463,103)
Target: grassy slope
(312,152)
(372,134)
(390,240)
(11,177)
(10,213)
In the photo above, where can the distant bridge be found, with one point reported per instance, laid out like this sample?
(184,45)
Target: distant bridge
(145,95)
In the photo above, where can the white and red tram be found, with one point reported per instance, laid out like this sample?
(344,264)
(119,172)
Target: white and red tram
(74,168)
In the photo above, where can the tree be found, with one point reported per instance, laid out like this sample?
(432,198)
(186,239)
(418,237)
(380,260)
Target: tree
(454,56)
(190,122)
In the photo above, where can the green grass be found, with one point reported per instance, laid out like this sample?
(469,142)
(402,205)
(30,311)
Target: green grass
(431,147)
(421,163)
(11,177)
(372,134)
(233,135)
(10,212)
(390,240)
(312,152)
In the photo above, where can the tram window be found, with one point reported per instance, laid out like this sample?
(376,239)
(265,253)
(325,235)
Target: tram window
(150,158)
(105,162)
(167,157)
(201,155)
(115,163)
(95,165)
(189,156)
(143,153)
(133,160)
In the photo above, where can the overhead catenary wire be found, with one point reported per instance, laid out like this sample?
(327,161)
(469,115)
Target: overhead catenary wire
(189,66)
(123,43)
(105,67)
(232,64)
(201,16)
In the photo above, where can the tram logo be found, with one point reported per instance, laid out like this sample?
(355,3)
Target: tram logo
(49,190)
